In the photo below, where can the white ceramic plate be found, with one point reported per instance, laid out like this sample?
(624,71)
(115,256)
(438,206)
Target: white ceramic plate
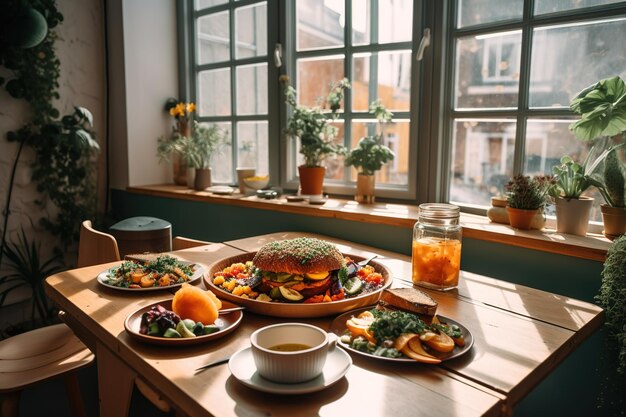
(221,189)
(338,327)
(296,310)
(103,278)
(242,367)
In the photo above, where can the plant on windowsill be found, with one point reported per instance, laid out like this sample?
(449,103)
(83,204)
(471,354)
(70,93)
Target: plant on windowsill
(526,199)
(370,155)
(195,150)
(312,126)
(602,107)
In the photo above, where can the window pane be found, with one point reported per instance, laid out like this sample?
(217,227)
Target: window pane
(487,70)
(396,137)
(568,58)
(394,21)
(316,76)
(482,159)
(319,24)
(252,146)
(546,142)
(222,164)
(391,72)
(334,164)
(475,12)
(203,4)
(252,89)
(214,92)
(213,38)
(550,6)
(251,35)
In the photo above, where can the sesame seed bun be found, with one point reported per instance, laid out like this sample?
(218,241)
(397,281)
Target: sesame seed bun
(298,256)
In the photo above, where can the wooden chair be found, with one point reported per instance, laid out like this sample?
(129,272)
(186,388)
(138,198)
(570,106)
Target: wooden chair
(179,243)
(52,351)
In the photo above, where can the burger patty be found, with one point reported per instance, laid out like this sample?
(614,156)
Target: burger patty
(298,256)
(308,288)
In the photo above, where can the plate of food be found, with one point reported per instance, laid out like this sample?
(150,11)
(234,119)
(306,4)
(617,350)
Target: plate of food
(193,316)
(298,278)
(403,327)
(162,272)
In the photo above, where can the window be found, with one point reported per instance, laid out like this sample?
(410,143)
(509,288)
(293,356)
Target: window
(513,75)
(490,99)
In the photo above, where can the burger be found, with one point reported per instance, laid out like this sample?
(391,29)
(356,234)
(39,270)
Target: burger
(297,268)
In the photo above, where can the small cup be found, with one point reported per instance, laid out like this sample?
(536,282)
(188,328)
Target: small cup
(303,353)
(245,173)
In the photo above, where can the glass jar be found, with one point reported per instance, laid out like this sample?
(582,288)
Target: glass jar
(436,251)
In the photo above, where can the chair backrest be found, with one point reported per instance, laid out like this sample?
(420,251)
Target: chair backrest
(96,247)
(179,243)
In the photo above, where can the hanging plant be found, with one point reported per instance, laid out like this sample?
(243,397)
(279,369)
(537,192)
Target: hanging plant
(64,147)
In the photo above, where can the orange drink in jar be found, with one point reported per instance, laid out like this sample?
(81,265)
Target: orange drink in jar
(436,262)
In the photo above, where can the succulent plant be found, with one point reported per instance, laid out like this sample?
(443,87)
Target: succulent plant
(526,193)
(614,180)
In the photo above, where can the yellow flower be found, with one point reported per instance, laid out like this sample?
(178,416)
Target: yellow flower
(190,107)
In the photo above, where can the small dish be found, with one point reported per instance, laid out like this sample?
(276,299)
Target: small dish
(103,278)
(226,322)
(258,182)
(242,367)
(221,189)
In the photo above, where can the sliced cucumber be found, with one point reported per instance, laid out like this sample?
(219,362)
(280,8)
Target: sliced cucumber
(283,277)
(275,293)
(353,286)
(290,294)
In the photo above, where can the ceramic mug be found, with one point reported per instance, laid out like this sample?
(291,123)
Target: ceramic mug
(291,352)
(245,173)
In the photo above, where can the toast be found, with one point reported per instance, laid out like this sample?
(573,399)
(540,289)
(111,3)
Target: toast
(410,299)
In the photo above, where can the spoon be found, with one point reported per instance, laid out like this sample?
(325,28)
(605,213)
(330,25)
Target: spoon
(368,260)
(230,310)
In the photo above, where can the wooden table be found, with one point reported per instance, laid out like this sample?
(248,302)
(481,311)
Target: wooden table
(521,335)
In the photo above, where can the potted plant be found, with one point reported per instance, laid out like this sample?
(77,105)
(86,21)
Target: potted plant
(183,117)
(526,198)
(196,150)
(572,209)
(312,126)
(370,155)
(602,107)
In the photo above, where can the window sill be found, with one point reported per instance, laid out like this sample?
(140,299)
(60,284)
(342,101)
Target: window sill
(592,246)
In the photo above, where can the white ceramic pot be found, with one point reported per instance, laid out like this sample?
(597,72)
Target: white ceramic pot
(572,215)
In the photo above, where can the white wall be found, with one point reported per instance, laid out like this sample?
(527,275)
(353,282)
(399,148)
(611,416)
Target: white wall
(144,75)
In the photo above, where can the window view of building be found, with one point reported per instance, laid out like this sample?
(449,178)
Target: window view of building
(511,72)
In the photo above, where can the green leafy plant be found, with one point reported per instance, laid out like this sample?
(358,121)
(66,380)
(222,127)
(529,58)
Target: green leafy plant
(602,107)
(64,149)
(526,193)
(29,271)
(311,124)
(196,150)
(612,297)
(370,154)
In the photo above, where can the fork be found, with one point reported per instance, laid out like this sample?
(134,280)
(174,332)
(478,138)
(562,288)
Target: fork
(368,260)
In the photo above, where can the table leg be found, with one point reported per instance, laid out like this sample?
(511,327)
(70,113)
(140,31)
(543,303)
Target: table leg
(115,383)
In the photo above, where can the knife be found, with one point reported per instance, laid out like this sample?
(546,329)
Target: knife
(212,364)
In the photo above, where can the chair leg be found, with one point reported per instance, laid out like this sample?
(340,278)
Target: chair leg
(10,404)
(77,407)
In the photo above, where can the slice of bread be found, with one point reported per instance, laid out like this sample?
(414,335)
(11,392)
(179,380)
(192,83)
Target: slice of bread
(410,299)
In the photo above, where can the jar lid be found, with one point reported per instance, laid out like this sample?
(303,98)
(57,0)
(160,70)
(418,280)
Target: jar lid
(439,211)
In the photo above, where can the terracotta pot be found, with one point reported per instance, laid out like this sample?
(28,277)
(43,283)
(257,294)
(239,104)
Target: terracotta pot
(521,219)
(179,168)
(572,216)
(365,185)
(203,179)
(311,180)
(614,219)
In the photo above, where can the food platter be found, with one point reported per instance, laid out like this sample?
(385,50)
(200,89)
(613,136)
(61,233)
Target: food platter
(296,310)
(226,322)
(103,278)
(338,326)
